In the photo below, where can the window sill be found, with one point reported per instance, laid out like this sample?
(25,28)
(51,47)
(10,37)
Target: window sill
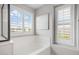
(21,34)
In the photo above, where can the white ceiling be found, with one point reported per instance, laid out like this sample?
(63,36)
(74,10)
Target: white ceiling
(35,6)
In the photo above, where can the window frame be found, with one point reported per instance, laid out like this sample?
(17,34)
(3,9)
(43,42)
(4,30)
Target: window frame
(7,38)
(73,24)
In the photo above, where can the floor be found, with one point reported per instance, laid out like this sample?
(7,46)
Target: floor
(29,44)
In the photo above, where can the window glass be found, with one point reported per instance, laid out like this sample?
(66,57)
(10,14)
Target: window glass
(27,23)
(16,21)
(21,21)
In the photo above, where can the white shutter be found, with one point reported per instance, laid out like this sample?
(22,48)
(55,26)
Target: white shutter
(64,25)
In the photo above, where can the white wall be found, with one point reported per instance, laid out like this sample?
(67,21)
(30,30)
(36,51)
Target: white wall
(43,10)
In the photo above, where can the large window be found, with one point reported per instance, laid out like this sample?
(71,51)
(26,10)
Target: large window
(64,24)
(21,21)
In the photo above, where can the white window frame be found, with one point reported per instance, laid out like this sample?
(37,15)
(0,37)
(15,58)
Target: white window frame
(73,24)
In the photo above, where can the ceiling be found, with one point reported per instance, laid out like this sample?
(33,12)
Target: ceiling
(35,6)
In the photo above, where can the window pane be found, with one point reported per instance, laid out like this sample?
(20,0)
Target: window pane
(27,23)
(21,20)
(13,16)
(16,21)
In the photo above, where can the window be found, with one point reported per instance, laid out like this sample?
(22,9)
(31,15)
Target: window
(21,21)
(64,24)
(5,22)
(27,23)
(16,21)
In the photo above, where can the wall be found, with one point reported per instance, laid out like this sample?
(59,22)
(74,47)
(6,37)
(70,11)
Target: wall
(43,10)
